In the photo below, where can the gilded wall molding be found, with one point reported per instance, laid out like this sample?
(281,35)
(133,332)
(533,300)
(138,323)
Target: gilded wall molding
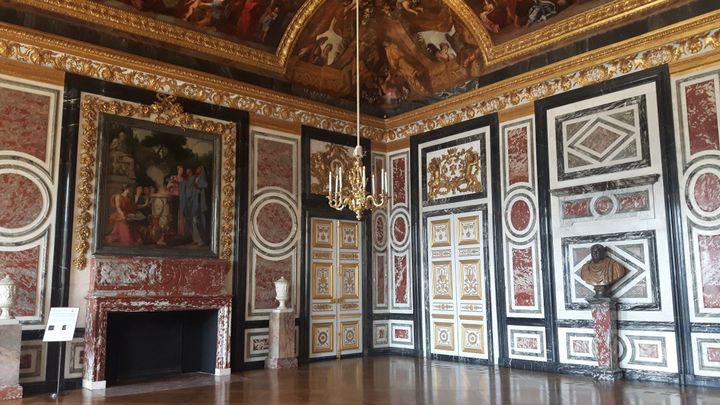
(147,27)
(166,112)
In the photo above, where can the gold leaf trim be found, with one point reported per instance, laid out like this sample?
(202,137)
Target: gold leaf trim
(165,111)
(456,171)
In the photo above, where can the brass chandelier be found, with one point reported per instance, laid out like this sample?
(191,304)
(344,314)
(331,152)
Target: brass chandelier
(355,196)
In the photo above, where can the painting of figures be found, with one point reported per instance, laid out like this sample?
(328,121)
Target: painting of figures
(508,19)
(261,23)
(156,193)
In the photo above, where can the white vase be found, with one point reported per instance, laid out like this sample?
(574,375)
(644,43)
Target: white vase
(281,292)
(7,297)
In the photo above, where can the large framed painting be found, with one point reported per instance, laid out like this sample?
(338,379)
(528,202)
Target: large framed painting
(156,192)
(150,183)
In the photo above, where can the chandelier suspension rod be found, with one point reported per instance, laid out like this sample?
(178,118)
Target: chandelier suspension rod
(357,69)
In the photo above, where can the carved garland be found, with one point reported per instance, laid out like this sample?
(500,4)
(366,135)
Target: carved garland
(321,162)
(166,112)
(456,171)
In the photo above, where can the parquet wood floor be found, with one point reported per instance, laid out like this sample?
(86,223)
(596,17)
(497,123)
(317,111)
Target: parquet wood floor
(386,380)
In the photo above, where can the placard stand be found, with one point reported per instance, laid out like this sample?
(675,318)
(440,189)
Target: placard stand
(60,328)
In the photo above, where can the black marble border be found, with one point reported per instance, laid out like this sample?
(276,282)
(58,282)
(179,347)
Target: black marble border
(416,142)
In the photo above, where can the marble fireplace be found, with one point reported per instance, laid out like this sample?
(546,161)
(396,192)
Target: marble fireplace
(127,284)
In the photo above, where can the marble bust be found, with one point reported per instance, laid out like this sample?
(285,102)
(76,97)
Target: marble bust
(601,271)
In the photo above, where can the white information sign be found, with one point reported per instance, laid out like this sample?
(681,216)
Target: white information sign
(61,324)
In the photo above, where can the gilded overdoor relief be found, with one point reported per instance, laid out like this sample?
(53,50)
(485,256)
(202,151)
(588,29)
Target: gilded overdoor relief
(455,254)
(335,288)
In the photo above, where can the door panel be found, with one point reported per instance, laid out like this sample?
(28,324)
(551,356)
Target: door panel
(336,303)
(457,275)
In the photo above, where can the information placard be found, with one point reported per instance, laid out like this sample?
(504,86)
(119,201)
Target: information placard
(61,324)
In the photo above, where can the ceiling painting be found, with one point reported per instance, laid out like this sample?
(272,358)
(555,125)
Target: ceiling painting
(505,20)
(413,52)
(259,23)
(409,50)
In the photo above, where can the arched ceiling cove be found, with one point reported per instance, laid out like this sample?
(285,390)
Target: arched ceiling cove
(410,49)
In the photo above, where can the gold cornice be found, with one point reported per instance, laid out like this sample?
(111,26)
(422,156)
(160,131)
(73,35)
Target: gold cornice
(297,25)
(148,27)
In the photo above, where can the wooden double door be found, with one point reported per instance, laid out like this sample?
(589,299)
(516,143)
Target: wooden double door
(335,288)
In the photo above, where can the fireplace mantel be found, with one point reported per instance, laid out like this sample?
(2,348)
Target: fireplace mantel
(131,284)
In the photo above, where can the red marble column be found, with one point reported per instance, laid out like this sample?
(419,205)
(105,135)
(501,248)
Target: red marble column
(282,340)
(604,314)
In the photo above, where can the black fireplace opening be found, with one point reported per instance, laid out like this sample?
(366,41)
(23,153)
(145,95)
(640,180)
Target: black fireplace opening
(153,344)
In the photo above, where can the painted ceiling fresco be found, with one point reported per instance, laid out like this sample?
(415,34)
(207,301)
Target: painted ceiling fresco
(412,51)
(259,23)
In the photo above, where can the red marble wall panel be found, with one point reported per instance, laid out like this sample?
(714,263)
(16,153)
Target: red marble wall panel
(24,126)
(23,269)
(633,202)
(274,164)
(576,209)
(133,276)
(581,346)
(274,222)
(709,249)
(520,215)
(20,201)
(380,230)
(381,280)
(707,192)
(517,150)
(402,334)
(522,274)
(527,343)
(713,354)
(702,116)
(398,181)
(399,229)
(266,273)
(401,275)
(648,350)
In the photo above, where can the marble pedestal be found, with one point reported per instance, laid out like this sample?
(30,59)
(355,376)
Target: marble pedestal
(282,340)
(10,336)
(604,315)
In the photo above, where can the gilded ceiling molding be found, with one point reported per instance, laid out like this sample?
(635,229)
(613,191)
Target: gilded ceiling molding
(165,111)
(673,44)
(29,46)
(143,26)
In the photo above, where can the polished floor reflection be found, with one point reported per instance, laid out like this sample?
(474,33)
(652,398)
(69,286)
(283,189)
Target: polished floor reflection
(387,380)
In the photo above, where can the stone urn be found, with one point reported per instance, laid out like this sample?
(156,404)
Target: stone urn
(281,291)
(7,297)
